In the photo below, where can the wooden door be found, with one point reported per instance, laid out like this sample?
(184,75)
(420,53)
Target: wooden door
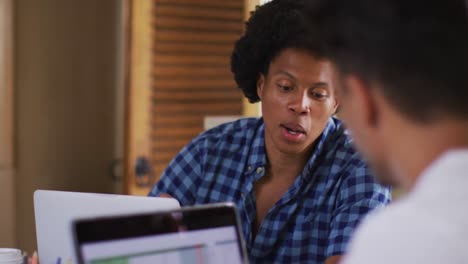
(7,193)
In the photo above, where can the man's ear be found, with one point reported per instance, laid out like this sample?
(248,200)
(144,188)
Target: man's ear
(336,105)
(260,85)
(363,100)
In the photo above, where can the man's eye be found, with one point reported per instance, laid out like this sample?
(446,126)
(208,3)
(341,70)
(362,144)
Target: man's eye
(318,95)
(284,88)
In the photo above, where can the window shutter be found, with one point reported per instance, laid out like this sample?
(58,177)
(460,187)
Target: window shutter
(191,77)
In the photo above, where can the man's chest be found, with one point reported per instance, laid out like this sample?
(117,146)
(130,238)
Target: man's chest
(267,192)
(297,228)
(291,216)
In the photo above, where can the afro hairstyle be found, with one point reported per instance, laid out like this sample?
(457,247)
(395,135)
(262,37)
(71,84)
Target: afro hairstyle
(272,28)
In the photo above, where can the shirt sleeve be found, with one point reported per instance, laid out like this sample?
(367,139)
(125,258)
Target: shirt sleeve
(182,175)
(369,243)
(405,234)
(358,195)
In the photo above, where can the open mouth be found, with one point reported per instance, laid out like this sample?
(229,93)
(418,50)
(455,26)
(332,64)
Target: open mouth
(293,130)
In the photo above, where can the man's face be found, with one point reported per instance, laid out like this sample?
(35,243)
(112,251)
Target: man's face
(357,109)
(297,100)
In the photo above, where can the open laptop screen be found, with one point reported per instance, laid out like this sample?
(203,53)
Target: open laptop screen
(206,234)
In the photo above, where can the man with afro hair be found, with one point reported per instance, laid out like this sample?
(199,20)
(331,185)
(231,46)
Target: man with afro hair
(299,185)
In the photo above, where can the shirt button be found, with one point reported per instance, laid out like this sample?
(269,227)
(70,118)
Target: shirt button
(259,170)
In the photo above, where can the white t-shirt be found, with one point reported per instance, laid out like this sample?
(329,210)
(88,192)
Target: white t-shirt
(429,225)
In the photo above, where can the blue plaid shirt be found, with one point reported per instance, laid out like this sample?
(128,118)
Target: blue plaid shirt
(313,220)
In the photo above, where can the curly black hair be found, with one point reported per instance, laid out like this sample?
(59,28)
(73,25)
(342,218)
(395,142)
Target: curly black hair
(273,27)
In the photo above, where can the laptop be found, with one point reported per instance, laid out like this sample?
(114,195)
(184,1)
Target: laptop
(55,211)
(200,234)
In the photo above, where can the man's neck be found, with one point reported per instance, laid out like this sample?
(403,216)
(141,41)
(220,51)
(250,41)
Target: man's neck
(286,165)
(420,145)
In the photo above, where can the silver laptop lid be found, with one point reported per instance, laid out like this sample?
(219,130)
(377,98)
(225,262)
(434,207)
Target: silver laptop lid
(55,211)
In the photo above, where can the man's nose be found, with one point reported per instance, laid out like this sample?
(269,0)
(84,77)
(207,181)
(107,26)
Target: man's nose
(300,103)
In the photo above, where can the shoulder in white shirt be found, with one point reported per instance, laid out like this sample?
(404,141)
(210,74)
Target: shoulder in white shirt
(429,225)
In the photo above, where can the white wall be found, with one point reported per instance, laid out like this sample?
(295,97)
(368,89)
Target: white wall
(65,94)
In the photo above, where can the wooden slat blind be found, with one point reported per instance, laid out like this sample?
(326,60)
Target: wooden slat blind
(191,78)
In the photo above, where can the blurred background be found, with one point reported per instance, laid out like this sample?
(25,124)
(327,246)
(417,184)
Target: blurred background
(98,96)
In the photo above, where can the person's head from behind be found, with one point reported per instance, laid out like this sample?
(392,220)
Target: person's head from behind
(399,62)
(279,61)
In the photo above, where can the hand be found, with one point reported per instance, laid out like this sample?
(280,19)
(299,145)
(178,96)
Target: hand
(34,259)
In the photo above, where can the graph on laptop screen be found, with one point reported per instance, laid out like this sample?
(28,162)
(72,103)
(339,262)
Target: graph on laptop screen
(196,236)
(218,245)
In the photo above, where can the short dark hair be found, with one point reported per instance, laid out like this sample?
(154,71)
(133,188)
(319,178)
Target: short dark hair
(273,27)
(417,50)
